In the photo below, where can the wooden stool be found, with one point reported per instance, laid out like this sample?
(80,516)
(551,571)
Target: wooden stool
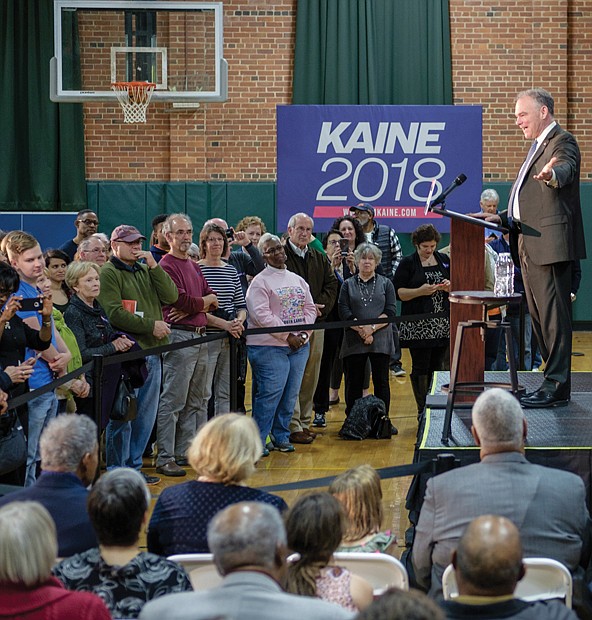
(487,300)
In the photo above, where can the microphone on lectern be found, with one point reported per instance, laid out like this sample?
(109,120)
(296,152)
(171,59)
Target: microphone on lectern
(460,179)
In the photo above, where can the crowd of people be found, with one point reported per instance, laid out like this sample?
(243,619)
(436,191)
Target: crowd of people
(109,296)
(72,552)
(99,295)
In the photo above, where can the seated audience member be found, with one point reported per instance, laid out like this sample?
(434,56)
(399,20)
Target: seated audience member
(56,262)
(503,483)
(397,604)
(159,246)
(28,551)
(488,566)
(69,459)
(15,338)
(277,297)
(92,250)
(315,526)
(359,492)
(223,454)
(86,224)
(123,576)
(248,541)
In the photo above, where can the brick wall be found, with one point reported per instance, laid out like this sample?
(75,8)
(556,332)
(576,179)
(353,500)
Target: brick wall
(498,49)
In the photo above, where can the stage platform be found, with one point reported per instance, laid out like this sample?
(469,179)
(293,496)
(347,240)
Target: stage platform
(558,437)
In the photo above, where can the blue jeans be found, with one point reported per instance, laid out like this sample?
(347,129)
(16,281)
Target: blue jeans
(277,375)
(41,410)
(126,441)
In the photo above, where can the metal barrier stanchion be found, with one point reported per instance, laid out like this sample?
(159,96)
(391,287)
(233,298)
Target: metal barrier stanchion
(233,372)
(97,379)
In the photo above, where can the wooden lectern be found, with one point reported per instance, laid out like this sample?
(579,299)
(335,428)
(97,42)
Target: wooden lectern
(467,273)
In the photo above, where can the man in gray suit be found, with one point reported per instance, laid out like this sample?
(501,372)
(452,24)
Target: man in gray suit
(546,234)
(248,541)
(547,505)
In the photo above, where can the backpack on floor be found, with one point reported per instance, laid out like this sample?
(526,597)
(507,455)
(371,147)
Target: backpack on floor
(367,418)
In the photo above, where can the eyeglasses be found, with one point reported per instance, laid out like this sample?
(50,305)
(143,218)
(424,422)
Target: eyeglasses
(136,242)
(89,222)
(215,240)
(278,249)
(333,242)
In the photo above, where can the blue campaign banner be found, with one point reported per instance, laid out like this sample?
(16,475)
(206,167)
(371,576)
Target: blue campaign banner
(332,157)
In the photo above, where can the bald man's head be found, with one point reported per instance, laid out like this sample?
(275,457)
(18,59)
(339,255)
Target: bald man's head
(488,559)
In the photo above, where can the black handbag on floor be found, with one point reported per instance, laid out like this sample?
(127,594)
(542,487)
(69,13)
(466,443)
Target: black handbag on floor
(125,404)
(13,445)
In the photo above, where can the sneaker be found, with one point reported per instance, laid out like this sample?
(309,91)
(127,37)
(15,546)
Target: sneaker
(150,480)
(284,447)
(398,371)
(265,452)
(319,420)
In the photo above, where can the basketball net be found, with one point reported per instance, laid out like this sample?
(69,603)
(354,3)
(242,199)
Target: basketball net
(134,98)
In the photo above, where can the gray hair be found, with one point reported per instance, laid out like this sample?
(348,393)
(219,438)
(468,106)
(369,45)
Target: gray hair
(365,249)
(193,250)
(265,237)
(246,533)
(498,419)
(29,543)
(297,216)
(541,96)
(65,441)
(168,223)
(489,194)
(85,244)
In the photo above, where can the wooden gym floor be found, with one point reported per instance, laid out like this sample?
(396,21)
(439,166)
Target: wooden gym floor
(330,455)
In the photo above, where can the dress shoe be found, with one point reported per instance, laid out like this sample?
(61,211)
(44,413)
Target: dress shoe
(309,433)
(300,437)
(182,461)
(171,469)
(546,397)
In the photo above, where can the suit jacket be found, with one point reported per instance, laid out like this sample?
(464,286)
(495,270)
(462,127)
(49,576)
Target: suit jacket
(64,497)
(243,595)
(551,218)
(547,505)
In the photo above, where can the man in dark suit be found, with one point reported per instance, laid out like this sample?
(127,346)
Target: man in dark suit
(547,505)
(487,566)
(69,459)
(546,235)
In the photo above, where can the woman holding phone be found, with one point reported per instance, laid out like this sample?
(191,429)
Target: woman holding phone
(422,284)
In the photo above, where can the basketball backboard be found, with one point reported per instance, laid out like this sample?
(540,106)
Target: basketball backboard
(176,45)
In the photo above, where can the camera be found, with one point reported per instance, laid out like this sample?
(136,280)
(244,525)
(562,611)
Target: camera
(230,234)
(30,304)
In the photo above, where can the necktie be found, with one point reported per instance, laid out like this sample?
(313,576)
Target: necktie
(512,211)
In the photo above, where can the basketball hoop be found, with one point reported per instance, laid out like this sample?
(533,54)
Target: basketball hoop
(134,98)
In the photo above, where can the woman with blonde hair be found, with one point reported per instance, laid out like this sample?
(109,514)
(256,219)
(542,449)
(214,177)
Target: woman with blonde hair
(28,549)
(359,492)
(223,455)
